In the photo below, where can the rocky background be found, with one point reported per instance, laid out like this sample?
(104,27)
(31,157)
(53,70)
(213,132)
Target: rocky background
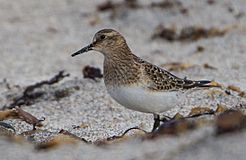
(65,100)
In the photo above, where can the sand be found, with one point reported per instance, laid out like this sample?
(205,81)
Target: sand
(38,37)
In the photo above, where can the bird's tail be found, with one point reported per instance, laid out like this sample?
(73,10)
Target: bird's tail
(206,83)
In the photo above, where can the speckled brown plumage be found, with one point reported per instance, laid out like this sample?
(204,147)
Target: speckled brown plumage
(135,83)
(135,71)
(121,72)
(121,67)
(162,80)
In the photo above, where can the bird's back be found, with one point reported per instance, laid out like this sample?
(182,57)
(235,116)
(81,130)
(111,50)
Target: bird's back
(159,79)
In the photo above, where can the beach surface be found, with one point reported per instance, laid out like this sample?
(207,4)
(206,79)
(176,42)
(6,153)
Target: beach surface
(37,39)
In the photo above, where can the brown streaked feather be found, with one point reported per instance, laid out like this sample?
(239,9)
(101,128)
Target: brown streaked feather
(162,80)
(123,68)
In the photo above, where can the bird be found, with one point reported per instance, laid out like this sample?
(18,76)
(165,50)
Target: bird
(135,83)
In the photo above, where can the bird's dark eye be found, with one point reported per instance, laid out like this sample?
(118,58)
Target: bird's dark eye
(102,37)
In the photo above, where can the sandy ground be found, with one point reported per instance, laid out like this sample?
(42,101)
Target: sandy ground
(38,37)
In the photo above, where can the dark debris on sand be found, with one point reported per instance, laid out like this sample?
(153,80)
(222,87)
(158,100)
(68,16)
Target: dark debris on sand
(18,113)
(120,8)
(29,95)
(230,121)
(165,4)
(92,72)
(190,33)
(110,5)
(225,121)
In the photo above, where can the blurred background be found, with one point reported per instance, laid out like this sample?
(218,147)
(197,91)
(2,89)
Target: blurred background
(38,37)
(197,39)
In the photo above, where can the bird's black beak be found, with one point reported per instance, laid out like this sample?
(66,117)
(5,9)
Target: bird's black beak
(85,49)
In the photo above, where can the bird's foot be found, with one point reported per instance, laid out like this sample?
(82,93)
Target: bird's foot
(158,120)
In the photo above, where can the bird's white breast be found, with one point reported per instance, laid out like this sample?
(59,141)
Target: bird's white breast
(140,99)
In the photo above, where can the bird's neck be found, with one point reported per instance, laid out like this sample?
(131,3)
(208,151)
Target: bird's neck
(121,68)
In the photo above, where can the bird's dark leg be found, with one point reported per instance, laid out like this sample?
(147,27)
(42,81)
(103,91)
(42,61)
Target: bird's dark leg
(156,122)
(165,119)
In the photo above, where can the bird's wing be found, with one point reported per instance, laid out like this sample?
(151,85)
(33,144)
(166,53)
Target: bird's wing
(160,79)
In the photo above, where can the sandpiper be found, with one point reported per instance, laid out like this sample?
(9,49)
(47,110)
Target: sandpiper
(137,84)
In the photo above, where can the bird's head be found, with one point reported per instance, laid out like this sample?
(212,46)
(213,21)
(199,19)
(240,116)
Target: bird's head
(106,41)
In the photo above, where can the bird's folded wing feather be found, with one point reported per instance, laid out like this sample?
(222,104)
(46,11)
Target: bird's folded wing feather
(162,80)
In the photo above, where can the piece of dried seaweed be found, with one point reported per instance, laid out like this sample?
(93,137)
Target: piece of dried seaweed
(29,118)
(65,132)
(230,121)
(190,33)
(112,6)
(29,95)
(166,4)
(58,140)
(18,113)
(92,72)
